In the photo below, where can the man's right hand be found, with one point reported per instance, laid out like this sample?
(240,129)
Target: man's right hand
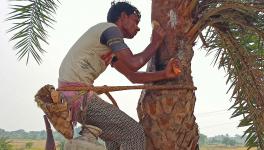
(158,34)
(172,69)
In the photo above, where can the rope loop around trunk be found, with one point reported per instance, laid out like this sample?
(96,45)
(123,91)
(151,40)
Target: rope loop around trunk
(107,89)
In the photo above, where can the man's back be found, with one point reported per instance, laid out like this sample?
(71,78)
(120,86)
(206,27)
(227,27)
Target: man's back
(83,62)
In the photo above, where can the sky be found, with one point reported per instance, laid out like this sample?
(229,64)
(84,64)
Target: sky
(20,82)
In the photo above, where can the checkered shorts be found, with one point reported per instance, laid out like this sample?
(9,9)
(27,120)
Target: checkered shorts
(118,129)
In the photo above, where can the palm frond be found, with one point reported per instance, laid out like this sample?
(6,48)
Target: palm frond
(30,19)
(237,38)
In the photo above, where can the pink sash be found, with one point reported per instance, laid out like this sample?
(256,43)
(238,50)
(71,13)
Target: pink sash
(75,98)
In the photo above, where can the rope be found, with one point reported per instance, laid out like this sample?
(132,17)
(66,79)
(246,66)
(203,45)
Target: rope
(104,89)
(107,89)
(112,99)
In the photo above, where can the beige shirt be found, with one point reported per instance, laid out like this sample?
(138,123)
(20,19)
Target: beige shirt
(87,58)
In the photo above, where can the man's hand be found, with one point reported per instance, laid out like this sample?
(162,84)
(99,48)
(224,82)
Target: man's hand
(172,69)
(158,33)
(135,62)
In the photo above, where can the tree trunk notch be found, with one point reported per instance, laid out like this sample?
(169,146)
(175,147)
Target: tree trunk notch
(167,115)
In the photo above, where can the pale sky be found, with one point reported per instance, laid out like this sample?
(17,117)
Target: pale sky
(20,82)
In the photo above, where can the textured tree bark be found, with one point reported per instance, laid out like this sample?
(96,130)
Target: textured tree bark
(167,115)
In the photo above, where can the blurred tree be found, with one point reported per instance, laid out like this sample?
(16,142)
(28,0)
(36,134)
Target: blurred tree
(5,144)
(29,145)
(202,139)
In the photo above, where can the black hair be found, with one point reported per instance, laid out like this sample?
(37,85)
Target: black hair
(117,8)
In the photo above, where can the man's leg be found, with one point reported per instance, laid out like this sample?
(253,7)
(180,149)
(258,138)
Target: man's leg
(118,128)
(111,145)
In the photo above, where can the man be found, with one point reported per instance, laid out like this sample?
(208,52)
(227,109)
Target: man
(101,45)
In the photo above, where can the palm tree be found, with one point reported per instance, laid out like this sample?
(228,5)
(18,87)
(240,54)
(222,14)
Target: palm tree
(230,29)
(233,31)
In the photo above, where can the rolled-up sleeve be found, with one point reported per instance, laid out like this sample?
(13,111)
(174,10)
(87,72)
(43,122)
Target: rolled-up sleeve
(113,38)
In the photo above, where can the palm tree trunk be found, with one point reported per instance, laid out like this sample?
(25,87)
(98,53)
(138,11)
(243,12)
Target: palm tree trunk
(167,115)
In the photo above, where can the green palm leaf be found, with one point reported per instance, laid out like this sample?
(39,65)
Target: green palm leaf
(30,20)
(236,35)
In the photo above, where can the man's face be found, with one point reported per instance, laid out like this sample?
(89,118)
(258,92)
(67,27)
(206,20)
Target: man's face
(130,26)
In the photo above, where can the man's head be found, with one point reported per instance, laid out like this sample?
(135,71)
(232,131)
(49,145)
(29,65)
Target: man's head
(116,9)
(126,16)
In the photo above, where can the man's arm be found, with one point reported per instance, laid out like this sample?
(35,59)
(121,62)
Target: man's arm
(146,77)
(113,38)
(135,62)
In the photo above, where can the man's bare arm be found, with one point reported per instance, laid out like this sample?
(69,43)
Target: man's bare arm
(146,77)
(135,62)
